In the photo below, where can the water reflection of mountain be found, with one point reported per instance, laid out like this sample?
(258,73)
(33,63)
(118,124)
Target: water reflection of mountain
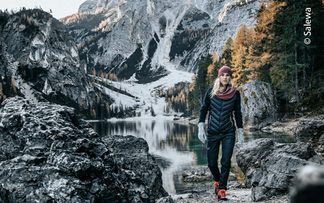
(176,143)
(160,134)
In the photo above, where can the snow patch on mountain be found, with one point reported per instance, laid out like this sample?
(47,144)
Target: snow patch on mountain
(161,56)
(145,96)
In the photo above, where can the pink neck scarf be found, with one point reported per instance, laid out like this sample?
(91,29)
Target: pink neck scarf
(228,93)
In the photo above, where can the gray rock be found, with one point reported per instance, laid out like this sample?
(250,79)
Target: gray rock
(269,167)
(258,104)
(167,199)
(311,129)
(194,26)
(42,62)
(252,153)
(281,127)
(309,185)
(88,6)
(197,174)
(49,155)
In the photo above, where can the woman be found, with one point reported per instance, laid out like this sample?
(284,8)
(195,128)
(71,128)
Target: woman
(221,101)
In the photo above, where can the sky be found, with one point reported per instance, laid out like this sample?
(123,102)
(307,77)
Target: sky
(60,8)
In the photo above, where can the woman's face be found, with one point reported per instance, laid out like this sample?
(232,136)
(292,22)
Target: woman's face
(225,78)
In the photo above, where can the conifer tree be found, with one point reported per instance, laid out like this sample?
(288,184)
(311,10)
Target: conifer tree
(241,46)
(212,69)
(291,58)
(201,82)
(227,52)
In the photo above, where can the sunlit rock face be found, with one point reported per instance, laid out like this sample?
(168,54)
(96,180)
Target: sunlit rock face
(148,39)
(258,103)
(88,6)
(41,61)
(48,154)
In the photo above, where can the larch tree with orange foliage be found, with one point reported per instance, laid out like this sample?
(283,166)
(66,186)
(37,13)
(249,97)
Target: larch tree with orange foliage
(241,47)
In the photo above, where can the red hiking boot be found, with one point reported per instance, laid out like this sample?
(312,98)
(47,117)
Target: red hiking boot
(216,185)
(221,194)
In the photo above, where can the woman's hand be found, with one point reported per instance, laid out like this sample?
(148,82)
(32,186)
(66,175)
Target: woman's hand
(201,132)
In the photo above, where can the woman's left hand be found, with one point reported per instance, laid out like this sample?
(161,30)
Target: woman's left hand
(201,132)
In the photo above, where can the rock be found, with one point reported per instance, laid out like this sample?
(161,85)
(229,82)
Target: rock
(167,199)
(197,174)
(49,155)
(279,127)
(305,129)
(258,104)
(309,185)
(41,61)
(88,6)
(311,129)
(269,167)
(194,26)
(252,153)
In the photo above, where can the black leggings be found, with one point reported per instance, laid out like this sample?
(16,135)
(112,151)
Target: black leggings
(214,141)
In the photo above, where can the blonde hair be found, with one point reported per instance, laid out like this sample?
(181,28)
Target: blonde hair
(217,86)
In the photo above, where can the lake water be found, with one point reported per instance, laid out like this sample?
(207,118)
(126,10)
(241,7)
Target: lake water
(175,143)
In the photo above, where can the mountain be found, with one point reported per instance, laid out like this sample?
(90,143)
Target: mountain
(40,61)
(142,38)
(150,46)
(115,58)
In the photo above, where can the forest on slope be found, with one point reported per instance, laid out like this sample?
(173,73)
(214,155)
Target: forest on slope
(275,51)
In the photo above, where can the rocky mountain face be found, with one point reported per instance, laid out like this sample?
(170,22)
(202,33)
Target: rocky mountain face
(146,40)
(47,154)
(40,61)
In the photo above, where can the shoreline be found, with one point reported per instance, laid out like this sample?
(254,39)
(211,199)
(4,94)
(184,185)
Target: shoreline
(203,191)
(200,189)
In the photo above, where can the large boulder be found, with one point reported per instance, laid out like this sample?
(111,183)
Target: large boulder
(269,167)
(311,130)
(48,155)
(258,104)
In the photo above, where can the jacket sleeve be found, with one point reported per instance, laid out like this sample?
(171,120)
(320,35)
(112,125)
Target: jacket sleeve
(205,106)
(237,111)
